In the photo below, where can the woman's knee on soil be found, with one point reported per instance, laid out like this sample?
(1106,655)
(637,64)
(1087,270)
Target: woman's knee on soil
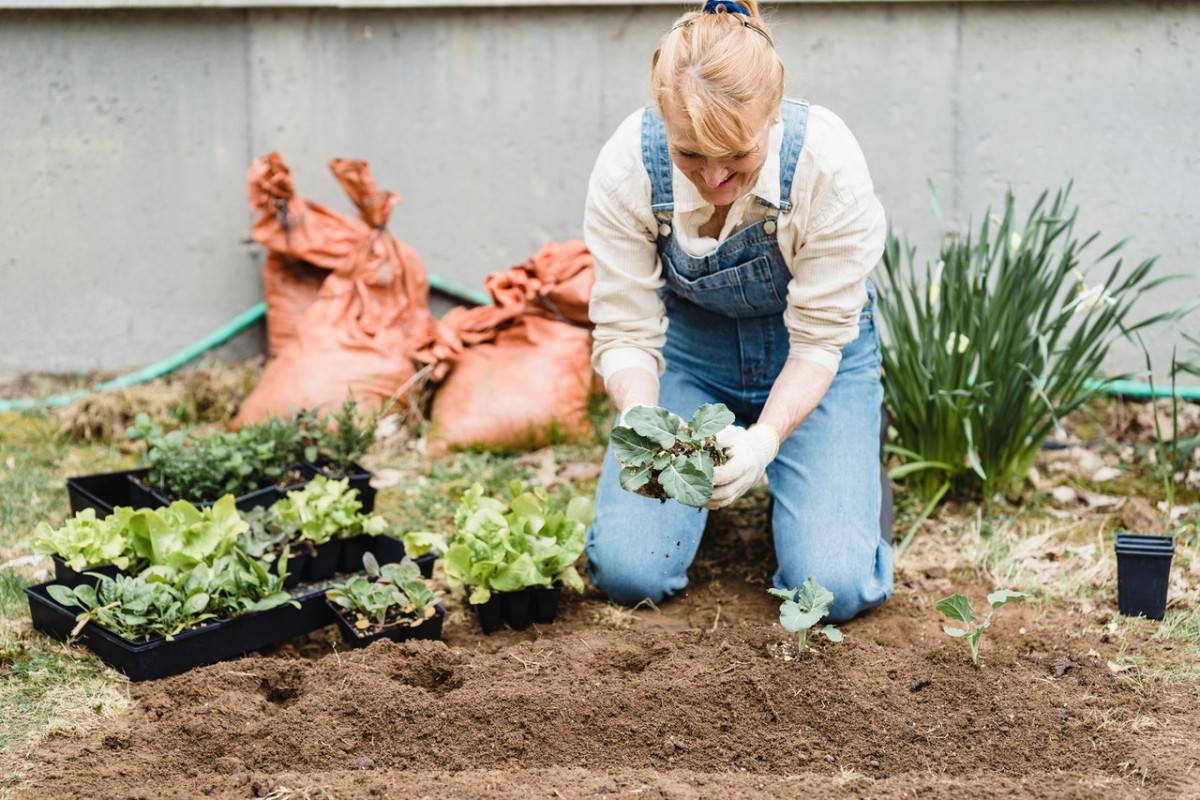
(854,589)
(629,575)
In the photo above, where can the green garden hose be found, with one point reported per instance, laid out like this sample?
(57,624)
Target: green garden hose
(201,346)
(456,290)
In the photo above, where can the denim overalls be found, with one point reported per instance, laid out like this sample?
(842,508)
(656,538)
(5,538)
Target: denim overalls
(726,342)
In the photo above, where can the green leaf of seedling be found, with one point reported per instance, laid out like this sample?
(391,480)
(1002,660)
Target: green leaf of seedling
(63,596)
(1003,596)
(956,632)
(815,596)
(687,484)
(793,618)
(656,424)
(783,594)
(958,607)
(832,633)
(709,419)
(702,461)
(631,448)
(195,604)
(633,478)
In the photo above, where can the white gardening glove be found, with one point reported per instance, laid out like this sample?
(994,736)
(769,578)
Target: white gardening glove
(749,452)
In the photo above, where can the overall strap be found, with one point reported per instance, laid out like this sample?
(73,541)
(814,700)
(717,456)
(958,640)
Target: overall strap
(795,123)
(657,160)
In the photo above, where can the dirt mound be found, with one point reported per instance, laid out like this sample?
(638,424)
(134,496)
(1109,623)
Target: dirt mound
(706,697)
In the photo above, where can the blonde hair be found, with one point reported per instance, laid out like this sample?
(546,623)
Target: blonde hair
(716,69)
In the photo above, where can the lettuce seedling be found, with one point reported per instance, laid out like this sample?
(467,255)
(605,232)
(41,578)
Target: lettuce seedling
(528,542)
(958,607)
(662,456)
(84,541)
(803,608)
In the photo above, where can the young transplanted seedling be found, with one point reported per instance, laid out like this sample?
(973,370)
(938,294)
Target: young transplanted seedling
(804,607)
(958,607)
(662,456)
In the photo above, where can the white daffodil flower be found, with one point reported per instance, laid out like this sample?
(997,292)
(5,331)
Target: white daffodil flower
(957,342)
(1014,242)
(935,283)
(1089,299)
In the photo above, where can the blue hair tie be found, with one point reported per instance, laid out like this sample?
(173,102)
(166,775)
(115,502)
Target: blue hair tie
(713,6)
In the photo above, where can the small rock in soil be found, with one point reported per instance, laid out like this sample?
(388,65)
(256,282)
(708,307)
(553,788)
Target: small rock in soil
(362,763)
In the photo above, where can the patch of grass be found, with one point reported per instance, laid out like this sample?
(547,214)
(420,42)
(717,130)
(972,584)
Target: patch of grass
(47,687)
(1166,650)
(34,464)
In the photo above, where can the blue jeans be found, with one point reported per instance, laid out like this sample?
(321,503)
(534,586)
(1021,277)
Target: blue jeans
(826,480)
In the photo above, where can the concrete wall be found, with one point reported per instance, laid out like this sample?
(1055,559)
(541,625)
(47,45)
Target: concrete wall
(125,135)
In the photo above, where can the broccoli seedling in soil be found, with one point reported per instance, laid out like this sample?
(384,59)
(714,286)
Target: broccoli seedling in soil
(958,607)
(803,608)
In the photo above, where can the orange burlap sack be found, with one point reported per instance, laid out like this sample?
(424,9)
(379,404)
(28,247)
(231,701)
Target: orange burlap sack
(357,337)
(527,388)
(289,286)
(516,374)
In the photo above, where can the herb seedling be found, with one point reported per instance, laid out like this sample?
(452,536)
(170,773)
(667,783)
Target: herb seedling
(391,595)
(803,608)
(958,607)
(662,456)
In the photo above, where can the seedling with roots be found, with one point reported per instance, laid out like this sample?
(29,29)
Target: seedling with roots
(958,607)
(803,608)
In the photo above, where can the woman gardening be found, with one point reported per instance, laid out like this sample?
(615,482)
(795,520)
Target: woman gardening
(733,231)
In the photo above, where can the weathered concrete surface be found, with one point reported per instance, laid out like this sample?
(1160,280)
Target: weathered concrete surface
(125,137)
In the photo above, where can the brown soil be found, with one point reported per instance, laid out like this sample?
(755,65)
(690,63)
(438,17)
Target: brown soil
(703,697)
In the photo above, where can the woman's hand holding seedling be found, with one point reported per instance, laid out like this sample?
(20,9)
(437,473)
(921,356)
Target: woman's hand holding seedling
(748,453)
(663,457)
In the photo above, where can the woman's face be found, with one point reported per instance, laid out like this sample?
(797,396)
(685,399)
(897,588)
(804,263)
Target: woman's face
(720,179)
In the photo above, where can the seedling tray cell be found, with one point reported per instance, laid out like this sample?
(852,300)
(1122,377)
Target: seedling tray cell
(323,561)
(143,496)
(159,658)
(102,491)
(69,577)
(389,550)
(429,629)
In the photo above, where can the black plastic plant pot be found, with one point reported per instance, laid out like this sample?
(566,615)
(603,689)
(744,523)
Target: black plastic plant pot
(517,608)
(102,491)
(297,561)
(68,577)
(1143,573)
(491,613)
(389,550)
(545,603)
(431,628)
(143,496)
(360,479)
(353,550)
(323,561)
(160,658)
